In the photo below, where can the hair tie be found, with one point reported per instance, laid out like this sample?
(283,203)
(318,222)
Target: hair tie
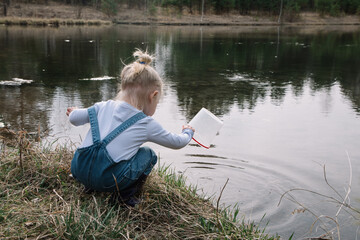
(142,62)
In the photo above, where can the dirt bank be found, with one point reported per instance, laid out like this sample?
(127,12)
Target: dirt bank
(163,16)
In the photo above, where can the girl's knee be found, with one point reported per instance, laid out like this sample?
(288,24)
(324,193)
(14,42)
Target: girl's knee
(149,152)
(151,159)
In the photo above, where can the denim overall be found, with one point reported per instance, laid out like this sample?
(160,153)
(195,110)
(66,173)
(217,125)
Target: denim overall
(93,166)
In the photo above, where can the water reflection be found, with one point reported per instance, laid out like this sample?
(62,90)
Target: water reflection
(289,98)
(207,67)
(247,73)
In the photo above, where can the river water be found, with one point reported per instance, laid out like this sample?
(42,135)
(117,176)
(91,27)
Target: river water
(289,99)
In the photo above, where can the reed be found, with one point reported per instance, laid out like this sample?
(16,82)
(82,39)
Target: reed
(39,200)
(330,225)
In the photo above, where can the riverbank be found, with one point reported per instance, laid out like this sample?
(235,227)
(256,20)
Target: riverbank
(55,14)
(40,200)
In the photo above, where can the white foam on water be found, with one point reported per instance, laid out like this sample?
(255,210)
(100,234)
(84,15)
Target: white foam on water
(103,78)
(20,80)
(10,83)
(2,125)
(15,82)
(240,77)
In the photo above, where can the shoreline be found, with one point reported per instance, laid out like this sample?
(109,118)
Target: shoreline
(45,22)
(56,14)
(287,24)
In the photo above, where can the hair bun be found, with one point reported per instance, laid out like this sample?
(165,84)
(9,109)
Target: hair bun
(143,57)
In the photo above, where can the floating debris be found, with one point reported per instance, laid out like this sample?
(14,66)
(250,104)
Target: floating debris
(103,78)
(15,82)
(237,77)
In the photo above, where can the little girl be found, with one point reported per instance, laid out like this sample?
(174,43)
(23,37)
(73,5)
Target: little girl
(110,158)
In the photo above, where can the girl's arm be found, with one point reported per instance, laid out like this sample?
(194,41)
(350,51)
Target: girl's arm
(158,135)
(69,110)
(77,116)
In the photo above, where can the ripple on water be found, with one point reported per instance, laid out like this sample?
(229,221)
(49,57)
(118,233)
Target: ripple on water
(256,189)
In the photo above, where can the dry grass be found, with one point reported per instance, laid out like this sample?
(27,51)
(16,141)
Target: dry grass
(330,225)
(50,22)
(40,14)
(39,200)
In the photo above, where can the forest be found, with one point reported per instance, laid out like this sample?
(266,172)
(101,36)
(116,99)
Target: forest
(331,7)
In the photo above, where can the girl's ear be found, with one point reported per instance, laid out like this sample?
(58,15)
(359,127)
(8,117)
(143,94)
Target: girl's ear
(153,95)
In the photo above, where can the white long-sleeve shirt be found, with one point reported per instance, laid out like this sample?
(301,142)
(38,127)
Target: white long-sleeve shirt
(111,114)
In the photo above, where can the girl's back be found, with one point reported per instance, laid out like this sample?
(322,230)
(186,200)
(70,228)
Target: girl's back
(111,114)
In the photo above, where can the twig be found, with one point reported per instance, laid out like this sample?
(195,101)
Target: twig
(347,194)
(328,233)
(330,185)
(20,136)
(117,186)
(60,196)
(349,188)
(97,207)
(310,191)
(218,201)
(317,218)
(217,205)
(342,201)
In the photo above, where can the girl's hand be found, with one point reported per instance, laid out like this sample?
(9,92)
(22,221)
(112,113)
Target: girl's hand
(188,127)
(69,110)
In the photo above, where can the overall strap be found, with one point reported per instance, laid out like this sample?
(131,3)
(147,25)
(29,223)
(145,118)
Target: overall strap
(123,127)
(94,125)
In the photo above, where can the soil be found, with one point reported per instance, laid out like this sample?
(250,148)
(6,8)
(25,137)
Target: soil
(166,16)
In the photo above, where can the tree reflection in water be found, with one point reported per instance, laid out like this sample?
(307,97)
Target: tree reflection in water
(207,67)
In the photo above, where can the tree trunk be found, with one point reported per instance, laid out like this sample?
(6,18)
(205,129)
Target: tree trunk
(202,10)
(280,14)
(5,8)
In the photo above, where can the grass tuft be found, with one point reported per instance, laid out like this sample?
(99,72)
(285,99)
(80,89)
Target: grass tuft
(40,200)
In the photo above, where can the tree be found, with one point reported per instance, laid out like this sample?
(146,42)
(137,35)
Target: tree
(223,5)
(6,3)
(202,9)
(243,6)
(323,6)
(109,7)
(281,8)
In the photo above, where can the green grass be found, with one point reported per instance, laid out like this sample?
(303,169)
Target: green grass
(41,201)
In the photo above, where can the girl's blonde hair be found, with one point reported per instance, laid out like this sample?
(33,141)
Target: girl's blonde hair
(139,79)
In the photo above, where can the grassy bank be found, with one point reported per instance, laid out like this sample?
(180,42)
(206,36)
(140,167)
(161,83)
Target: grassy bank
(56,14)
(40,200)
(51,22)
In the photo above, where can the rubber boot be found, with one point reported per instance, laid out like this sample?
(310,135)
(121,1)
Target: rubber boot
(127,195)
(140,183)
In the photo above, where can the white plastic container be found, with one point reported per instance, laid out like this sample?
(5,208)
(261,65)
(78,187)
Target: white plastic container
(206,126)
